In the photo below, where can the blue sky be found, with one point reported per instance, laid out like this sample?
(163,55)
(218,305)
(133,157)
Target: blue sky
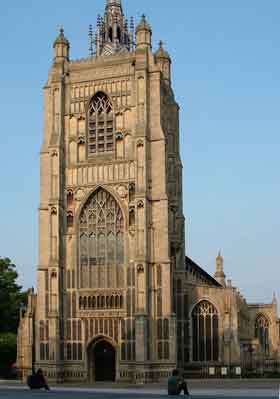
(226,63)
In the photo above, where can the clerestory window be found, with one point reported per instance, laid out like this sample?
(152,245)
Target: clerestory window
(100,125)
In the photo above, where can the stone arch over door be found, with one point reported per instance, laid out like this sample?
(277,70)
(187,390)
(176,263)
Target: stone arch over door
(102,359)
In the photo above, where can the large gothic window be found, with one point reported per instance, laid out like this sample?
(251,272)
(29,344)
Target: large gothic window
(205,326)
(262,333)
(100,125)
(101,232)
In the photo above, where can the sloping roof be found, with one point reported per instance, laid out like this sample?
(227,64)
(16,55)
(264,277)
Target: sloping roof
(192,266)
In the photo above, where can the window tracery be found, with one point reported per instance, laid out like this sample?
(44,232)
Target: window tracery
(205,332)
(101,233)
(100,125)
(262,333)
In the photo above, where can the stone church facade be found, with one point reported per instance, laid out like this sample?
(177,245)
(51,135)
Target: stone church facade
(117,297)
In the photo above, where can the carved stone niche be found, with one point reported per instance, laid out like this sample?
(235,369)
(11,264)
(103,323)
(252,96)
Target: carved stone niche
(119,136)
(131,216)
(140,143)
(70,198)
(53,274)
(131,192)
(70,219)
(140,204)
(173,208)
(140,269)
(81,140)
(53,210)
(54,153)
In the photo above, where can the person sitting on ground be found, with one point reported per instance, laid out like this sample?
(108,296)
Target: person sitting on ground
(37,381)
(177,384)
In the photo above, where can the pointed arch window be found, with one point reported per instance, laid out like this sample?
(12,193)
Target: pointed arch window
(205,332)
(101,232)
(100,125)
(262,333)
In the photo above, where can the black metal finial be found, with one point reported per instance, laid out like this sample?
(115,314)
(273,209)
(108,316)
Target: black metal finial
(132,23)
(91,42)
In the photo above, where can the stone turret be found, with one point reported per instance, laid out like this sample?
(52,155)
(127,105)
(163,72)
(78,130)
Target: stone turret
(143,34)
(164,61)
(61,48)
(219,274)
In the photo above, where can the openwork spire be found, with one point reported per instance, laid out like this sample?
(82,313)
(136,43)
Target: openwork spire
(114,2)
(113,34)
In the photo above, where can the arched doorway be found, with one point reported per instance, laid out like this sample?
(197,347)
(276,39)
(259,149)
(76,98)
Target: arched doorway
(103,360)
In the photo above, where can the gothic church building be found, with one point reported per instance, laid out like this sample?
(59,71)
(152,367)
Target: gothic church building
(117,297)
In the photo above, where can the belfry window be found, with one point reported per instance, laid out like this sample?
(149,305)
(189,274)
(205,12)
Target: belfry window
(262,333)
(205,334)
(100,125)
(101,239)
(110,34)
(119,34)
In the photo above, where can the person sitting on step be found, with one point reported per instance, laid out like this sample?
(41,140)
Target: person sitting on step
(37,381)
(177,384)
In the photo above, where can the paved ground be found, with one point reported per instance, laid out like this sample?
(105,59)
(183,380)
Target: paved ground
(198,389)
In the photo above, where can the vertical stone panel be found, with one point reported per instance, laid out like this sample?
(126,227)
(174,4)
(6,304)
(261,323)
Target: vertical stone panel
(81,126)
(81,152)
(141,289)
(73,152)
(120,147)
(119,122)
(127,146)
(140,166)
(141,228)
(72,126)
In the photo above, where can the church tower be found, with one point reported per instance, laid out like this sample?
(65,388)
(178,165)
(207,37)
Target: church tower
(111,219)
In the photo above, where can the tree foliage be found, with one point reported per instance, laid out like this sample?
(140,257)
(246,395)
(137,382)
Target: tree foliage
(12,298)
(8,352)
